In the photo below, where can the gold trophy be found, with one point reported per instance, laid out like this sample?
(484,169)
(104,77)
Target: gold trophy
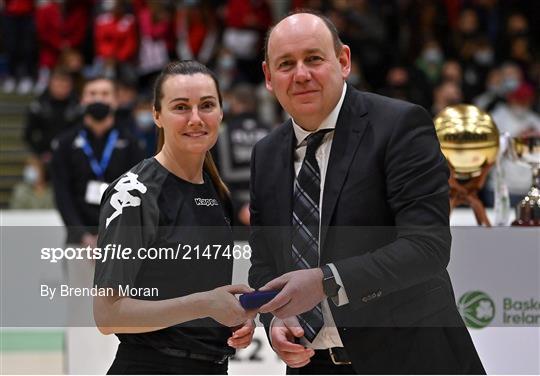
(470,142)
(527,150)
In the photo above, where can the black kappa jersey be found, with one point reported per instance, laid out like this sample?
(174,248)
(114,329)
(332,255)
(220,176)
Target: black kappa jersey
(180,243)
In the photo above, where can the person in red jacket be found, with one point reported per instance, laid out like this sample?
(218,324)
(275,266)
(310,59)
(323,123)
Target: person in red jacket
(60,26)
(115,39)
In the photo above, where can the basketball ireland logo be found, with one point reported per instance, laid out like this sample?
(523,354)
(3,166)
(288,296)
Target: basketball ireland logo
(122,198)
(476,308)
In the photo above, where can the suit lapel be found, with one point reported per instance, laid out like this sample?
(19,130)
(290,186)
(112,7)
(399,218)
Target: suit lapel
(350,128)
(284,190)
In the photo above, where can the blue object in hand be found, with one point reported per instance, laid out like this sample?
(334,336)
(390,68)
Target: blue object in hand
(256,299)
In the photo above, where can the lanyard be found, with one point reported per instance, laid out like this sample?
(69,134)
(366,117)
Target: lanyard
(99,168)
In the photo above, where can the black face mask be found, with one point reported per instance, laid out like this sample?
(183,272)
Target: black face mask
(98,110)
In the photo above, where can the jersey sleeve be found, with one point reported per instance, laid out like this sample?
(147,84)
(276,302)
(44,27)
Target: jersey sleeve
(127,223)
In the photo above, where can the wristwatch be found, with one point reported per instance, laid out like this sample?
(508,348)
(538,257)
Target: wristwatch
(330,286)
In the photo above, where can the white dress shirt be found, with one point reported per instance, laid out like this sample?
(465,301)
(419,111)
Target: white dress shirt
(328,336)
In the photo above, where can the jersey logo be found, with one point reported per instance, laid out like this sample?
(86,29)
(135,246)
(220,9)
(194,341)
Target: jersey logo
(122,198)
(206,202)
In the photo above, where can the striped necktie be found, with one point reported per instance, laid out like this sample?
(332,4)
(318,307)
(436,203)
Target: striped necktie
(305,221)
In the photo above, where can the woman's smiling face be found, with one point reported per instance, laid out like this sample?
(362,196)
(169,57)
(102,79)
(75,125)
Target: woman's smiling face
(190,113)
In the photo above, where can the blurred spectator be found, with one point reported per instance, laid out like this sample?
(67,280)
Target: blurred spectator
(463,38)
(51,113)
(88,157)
(361,27)
(451,71)
(419,20)
(126,92)
(356,77)
(34,191)
(197,32)
(18,32)
(156,38)
(447,93)
(145,128)
(494,94)
(246,24)
(516,118)
(239,133)
(476,67)
(226,69)
(115,40)
(60,26)
(431,60)
(516,28)
(512,77)
(400,85)
(72,61)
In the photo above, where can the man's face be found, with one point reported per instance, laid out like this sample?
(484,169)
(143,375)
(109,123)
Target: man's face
(302,69)
(60,87)
(99,91)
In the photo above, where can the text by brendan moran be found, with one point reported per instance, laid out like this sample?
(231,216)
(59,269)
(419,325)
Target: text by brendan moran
(122,290)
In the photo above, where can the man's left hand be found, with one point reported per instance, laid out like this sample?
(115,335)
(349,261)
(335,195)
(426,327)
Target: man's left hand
(301,290)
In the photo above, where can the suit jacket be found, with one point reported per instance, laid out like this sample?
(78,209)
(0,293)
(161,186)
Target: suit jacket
(384,225)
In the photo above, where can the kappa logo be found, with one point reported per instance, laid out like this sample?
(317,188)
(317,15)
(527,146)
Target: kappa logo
(122,198)
(206,202)
(477,309)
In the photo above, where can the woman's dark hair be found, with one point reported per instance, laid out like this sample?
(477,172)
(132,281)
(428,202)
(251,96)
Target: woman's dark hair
(189,67)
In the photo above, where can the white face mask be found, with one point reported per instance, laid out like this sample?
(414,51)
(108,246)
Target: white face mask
(484,57)
(432,55)
(509,84)
(145,120)
(30,175)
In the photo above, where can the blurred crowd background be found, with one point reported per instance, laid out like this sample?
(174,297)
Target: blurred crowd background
(431,52)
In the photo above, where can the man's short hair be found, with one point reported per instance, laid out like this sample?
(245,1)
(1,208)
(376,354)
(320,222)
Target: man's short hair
(99,78)
(329,24)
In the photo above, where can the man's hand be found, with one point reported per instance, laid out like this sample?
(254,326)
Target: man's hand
(282,335)
(301,290)
(241,337)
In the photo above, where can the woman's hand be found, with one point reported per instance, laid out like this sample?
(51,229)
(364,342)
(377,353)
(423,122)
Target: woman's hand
(223,306)
(241,337)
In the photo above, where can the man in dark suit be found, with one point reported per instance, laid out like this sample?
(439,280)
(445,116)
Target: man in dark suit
(349,215)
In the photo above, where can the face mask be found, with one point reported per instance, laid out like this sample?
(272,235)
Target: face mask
(484,57)
(98,110)
(30,175)
(226,62)
(432,55)
(144,120)
(509,84)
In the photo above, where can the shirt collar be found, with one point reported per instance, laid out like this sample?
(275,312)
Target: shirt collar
(328,123)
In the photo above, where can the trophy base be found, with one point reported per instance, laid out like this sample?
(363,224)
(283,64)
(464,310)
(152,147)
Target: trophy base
(528,210)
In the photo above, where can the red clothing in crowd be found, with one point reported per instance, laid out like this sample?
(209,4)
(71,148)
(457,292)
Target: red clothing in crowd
(255,15)
(58,29)
(115,37)
(19,7)
(155,29)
